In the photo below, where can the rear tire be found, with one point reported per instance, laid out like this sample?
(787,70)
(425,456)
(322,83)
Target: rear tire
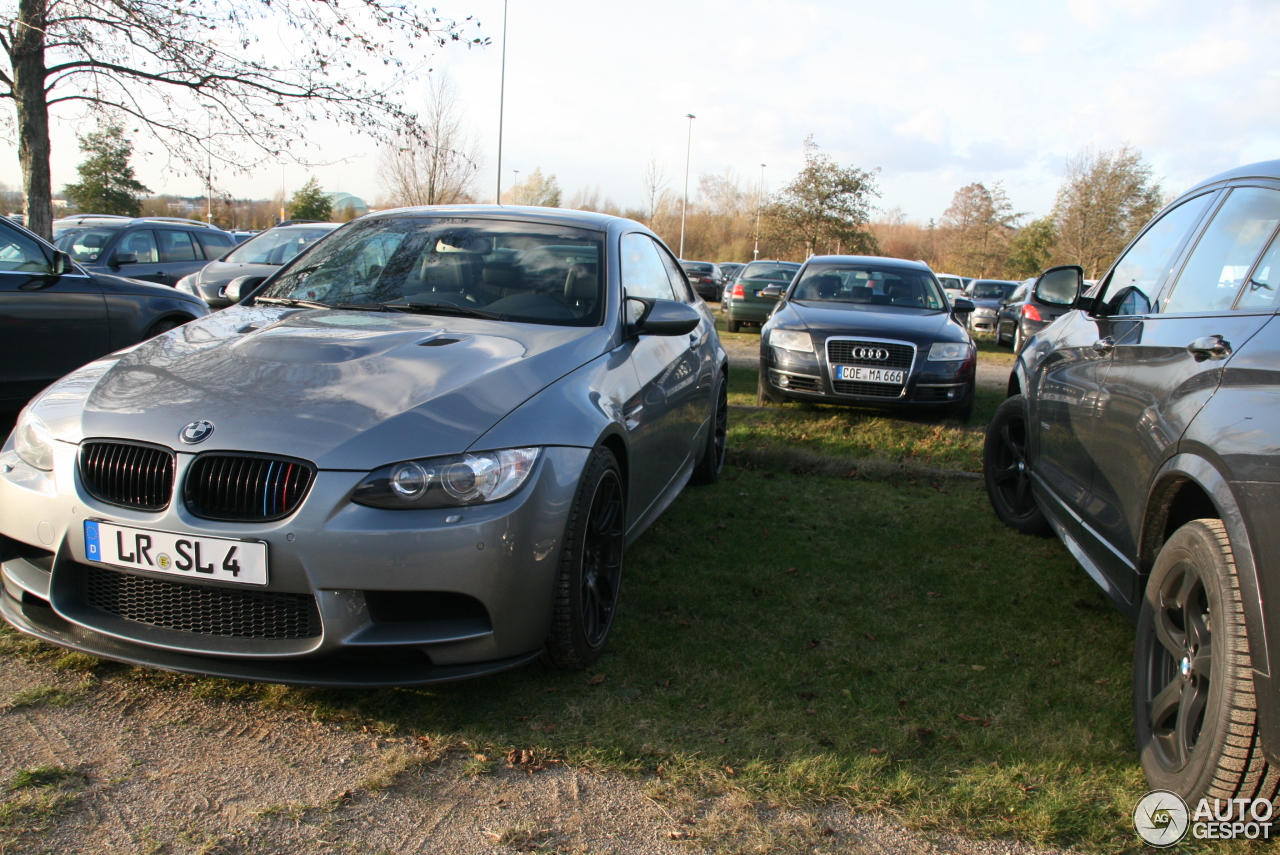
(1004,469)
(731,325)
(590,566)
(1195,707)
(711,464)
(1018,340)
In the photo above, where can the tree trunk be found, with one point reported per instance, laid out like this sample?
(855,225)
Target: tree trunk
(33,114)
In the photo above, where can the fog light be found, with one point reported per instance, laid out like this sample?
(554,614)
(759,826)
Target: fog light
(783,381)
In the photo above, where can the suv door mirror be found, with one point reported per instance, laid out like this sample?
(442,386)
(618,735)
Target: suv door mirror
(62,263)
(237,288)
(1060,286)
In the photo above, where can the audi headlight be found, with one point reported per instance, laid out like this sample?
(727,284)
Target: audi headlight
(445,482)
(33,441)
(950,351)
(187,285)
(791,340)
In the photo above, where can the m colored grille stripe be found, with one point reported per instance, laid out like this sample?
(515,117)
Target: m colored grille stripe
(245,488)
(127,474)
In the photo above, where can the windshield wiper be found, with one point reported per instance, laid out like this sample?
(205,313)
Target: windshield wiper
(291,302)
(443,309)
(361,307)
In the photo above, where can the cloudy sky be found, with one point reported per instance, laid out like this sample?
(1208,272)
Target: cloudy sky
(935,95)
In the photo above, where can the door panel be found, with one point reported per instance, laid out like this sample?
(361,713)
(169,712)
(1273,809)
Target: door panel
(49,326)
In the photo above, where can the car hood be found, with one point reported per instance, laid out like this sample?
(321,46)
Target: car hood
(218,273)
(343,389)
(873,321)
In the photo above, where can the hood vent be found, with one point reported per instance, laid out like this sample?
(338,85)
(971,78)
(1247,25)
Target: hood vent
(439,342)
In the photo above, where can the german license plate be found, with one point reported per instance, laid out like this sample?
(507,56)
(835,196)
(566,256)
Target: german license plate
(868,375)
(197,557)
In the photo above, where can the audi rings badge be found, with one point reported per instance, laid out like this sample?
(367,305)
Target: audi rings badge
(870,354)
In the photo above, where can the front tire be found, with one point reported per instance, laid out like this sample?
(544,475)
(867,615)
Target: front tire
(1004,469)
(1195,708)
(590,566)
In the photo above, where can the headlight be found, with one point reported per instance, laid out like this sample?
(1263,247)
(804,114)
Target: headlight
(444,482)
(33,441)
(187,285)
(791,340)
(950,351)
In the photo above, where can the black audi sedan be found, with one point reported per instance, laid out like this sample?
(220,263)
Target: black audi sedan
(867,331)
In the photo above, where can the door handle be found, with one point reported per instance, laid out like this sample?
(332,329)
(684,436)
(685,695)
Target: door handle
(1104,345)
(1209,347)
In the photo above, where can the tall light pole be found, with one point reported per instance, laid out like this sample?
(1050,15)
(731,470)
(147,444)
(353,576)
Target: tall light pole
(684,209)
(515,182)
(502,94)
(759,204)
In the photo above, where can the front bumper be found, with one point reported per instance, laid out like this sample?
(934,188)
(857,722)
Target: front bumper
(498,562)
(795,376)
(982,322)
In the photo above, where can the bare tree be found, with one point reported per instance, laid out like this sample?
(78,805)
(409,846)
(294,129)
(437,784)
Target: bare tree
(188,74)
(438,165)
(536,189)
(978,226)
(1104,199)
(655,185)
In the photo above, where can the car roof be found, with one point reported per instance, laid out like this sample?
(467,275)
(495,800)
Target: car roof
(551,216)
(1262,169)
(115,219)
(881,261)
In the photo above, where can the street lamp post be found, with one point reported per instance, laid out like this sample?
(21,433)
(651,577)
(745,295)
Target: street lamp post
(759,204)
(684,208)
(502,95)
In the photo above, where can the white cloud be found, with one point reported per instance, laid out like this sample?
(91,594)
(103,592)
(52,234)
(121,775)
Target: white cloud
(1205,57)
(1031,42)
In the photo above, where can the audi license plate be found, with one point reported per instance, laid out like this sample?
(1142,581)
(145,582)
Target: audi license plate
(198,557)
(868,375)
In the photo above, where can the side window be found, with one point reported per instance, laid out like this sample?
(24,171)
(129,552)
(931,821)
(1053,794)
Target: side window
(643,273)
(216,244)
(21,254)
(1148,262)
(1019,294)
(1226,251)
(1260,292)
(141,243)
(679,282)
(176,246)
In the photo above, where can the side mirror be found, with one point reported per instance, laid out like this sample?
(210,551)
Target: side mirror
(961,306)
(237,288)
(665,317)
(1060,286)
(62,263)
(124,258)
(774,291)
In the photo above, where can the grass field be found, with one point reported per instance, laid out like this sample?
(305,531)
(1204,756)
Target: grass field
(871,635)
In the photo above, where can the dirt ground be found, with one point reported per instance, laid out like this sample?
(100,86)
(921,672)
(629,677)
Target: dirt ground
(161,771)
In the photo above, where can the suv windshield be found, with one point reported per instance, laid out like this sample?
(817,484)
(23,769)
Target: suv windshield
(776,271)
(276,246)
(875,286)
(84,243)
(532,272)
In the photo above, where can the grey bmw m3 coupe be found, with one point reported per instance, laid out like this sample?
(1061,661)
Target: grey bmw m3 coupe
(415,453)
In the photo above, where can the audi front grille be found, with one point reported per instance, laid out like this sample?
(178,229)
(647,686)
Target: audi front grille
(870,353)
(246,488)
(128,474)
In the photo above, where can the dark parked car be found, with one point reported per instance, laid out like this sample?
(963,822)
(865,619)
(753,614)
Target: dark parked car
(1143,429)
(744,303)
(729,269)
(986,296)
(55,316)
(1021,316)
(705,277)
(151,249)
(260,256)
(416,454)
(869,331)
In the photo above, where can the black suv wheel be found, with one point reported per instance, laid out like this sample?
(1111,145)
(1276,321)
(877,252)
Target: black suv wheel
(1004,468)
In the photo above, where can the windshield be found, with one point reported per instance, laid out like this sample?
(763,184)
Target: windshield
(84,243)
(993,290)
(880,286)
(695,267)
(276,246)
(531,272)
(773,270)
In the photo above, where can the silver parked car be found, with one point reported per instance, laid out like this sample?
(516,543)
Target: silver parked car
(259,256)
(416,453)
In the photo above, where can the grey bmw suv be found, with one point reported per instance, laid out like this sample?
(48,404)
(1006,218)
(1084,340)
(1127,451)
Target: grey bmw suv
(1143,429)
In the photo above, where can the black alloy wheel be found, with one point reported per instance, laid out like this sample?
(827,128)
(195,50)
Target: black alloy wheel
(1004,469)
(711,463)
(590,566)
(1193,691)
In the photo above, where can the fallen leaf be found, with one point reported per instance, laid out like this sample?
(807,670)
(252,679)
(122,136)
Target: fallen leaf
(875,750)
(810,712)
(345,797)
(827,831)
(1103,681)
(597,680)
(711,538)
(728,770)
(932,594)
(981,722)
(868,636)
(721,525)
(902,702)
(520,758)
(790,571)
(978,667)
(1054,663)
(680,835)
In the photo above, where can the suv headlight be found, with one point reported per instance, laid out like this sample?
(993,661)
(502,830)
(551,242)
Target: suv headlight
(187,285)
(33,441)
(791,340)
(950,351)
(445,482)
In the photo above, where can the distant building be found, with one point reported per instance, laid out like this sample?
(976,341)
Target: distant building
(342,202)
